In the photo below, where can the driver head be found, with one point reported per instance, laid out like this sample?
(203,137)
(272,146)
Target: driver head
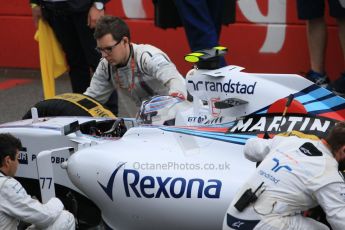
(160,110)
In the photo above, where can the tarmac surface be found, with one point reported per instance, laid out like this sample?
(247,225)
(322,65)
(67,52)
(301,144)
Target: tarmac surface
(20,89)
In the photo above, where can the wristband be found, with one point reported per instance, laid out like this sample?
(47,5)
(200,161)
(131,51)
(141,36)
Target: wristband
(178,94)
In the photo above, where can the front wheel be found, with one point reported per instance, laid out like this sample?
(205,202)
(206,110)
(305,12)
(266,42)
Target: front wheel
(70,104)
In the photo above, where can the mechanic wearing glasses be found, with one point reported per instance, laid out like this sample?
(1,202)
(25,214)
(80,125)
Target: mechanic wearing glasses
(16,204)
(142,70)
(295,175)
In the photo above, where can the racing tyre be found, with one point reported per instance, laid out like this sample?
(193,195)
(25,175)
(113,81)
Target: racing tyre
(70,104)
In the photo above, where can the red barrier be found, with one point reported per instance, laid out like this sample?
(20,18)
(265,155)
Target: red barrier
(267,36)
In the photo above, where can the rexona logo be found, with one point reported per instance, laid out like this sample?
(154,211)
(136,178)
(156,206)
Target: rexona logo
(136,185)
(228,87)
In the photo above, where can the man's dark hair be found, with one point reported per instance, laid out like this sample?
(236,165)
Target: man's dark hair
(336,137)
(8,146)
(111,25)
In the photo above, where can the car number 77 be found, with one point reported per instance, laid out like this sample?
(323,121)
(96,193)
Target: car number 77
(49,181)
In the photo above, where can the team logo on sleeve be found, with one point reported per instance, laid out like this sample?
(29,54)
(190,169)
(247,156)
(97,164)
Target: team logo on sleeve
(310,150)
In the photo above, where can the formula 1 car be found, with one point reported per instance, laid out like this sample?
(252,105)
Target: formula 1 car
(149,174)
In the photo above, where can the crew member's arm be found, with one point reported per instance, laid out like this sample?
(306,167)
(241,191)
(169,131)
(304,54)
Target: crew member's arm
(256,148)
(332,200)
(101,86)
(159,66)
(17,203)
(96,11)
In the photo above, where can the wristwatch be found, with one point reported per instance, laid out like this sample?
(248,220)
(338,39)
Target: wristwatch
(99,5)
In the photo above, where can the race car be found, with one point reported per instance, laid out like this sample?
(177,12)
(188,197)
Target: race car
(180,163)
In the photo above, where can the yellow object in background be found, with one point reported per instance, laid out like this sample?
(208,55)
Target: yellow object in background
(52,58)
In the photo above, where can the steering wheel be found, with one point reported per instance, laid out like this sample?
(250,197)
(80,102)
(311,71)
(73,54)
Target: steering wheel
(118,129)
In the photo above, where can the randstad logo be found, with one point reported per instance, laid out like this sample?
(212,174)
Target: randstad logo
(139,186)
(228,87)
(277,167)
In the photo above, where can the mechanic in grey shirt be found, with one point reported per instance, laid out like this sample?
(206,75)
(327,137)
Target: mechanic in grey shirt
(142,70)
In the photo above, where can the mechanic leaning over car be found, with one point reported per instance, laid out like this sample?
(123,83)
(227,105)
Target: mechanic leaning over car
(16,205)
(295,174)
(142,70)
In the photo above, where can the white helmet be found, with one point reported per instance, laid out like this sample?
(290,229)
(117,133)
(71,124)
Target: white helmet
(160,110)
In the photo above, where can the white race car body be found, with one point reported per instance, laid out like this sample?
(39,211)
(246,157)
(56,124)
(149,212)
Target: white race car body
(183,176)
(161,178)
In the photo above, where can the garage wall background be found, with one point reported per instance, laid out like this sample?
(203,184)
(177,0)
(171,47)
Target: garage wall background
(267,36)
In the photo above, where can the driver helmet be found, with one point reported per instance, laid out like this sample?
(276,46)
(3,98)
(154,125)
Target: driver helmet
(159,110)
